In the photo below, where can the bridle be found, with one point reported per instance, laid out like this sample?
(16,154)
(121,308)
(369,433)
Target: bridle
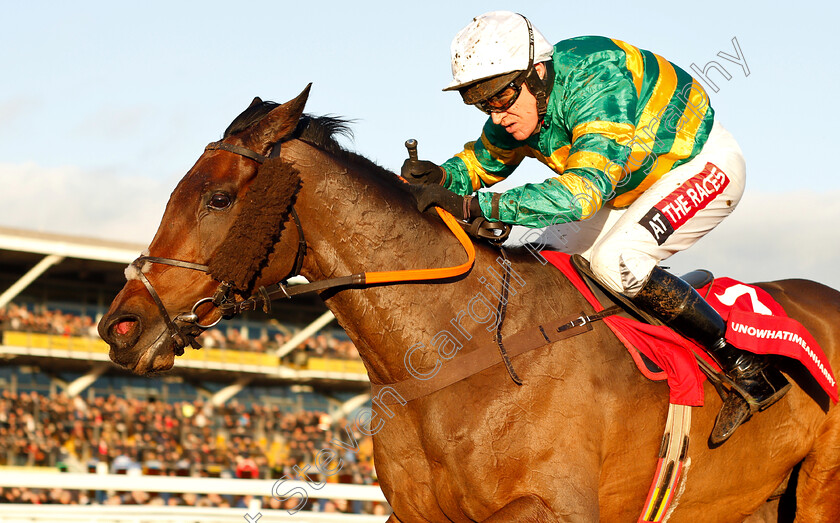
(227,304)
(221,298)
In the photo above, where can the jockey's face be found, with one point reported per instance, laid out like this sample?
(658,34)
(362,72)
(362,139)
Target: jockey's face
(521,119)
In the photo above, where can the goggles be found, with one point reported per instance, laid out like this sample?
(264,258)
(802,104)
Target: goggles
(503,99)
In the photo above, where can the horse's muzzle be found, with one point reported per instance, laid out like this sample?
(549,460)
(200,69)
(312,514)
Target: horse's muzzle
(121,333)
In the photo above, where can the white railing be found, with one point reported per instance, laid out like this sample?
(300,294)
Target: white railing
(141,513)
(149,514)
(181,484)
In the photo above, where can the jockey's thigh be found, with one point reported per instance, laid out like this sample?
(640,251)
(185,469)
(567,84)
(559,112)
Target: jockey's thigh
(670,216)
(571,237)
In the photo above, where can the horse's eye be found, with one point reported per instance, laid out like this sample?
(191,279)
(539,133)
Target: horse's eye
(219,201)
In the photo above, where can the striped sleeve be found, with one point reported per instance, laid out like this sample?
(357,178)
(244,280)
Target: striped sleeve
(484,162)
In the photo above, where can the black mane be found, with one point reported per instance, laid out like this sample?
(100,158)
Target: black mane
(320,131)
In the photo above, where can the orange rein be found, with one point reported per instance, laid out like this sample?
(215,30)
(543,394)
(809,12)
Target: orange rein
(431,274)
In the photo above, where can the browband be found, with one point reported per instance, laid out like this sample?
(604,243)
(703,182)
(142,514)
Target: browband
(243,151)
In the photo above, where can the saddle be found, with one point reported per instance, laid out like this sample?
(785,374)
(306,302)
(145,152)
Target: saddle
(698,279)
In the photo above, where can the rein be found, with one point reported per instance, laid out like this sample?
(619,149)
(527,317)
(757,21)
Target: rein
(229,307)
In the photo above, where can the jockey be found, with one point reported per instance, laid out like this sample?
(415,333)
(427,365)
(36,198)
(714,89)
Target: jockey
(639,163)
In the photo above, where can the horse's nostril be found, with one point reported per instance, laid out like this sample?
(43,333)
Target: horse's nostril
(122,331)
(123,327)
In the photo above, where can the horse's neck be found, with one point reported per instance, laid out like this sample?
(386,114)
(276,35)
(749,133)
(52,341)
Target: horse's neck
(355,222)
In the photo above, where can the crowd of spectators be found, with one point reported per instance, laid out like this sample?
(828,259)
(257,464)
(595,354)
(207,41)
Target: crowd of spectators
(131,436)
(320,346)
(45,321)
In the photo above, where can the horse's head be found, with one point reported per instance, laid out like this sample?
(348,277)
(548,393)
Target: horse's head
(201,242)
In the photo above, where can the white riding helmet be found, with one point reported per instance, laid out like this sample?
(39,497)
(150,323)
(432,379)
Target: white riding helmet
(495,44)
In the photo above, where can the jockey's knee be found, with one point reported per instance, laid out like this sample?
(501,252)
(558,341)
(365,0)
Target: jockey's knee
(623,270)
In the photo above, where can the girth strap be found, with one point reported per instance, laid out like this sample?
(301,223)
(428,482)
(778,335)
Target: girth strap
(462,366)
(672,463)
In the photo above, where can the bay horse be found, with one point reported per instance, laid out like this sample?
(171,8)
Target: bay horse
(577,441)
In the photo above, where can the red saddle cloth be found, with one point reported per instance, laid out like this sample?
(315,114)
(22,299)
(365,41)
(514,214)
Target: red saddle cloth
(755,322)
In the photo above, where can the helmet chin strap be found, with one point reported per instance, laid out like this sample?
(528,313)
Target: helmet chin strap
(541,88)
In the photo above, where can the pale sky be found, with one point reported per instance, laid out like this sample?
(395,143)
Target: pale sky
(105,105)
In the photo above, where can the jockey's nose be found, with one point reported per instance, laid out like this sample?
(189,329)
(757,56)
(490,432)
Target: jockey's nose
(120,332)
(497,117)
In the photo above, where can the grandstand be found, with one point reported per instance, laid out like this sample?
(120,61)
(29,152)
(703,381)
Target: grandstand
(264,395)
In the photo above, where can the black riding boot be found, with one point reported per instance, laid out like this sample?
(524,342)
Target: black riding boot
(679,306)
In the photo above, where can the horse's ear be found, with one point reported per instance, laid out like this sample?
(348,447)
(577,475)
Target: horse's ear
(277,124)
(257,100)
